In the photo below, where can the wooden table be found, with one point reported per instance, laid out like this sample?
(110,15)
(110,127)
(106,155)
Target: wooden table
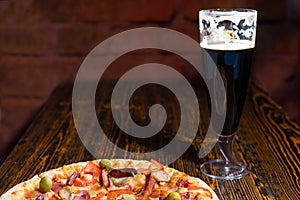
(268,143)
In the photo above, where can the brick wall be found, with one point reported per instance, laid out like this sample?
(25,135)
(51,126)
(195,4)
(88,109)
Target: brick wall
(42,44)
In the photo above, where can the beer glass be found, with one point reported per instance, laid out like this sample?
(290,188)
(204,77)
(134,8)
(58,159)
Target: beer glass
(228,35)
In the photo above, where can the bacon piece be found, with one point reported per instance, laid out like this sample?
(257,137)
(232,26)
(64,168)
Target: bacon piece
(145,171)
(104,175)
(157,164)
(149,188)
(150,185)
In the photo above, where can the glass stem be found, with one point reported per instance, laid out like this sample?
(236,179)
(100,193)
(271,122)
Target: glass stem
(226,147)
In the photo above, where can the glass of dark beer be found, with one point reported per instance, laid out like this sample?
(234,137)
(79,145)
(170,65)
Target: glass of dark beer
(228,35)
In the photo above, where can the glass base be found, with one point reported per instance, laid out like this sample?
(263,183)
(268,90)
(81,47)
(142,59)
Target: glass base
(222,169)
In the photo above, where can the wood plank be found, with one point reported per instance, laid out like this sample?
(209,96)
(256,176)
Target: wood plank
(267,142)
(272,147)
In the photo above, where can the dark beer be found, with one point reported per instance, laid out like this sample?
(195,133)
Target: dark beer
(234,67)
(228,35)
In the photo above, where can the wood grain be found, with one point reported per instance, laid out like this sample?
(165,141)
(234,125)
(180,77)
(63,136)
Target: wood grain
(267,142)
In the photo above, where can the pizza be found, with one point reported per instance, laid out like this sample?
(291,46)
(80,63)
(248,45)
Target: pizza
(106,179)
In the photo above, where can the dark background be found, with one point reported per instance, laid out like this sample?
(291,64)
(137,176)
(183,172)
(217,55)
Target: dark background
(42,44)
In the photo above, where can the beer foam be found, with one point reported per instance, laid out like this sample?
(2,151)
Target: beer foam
(227,29)
(231,46)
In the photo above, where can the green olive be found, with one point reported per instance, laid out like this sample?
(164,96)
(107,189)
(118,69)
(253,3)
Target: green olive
(105,163)
(173,196)
(45,184)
